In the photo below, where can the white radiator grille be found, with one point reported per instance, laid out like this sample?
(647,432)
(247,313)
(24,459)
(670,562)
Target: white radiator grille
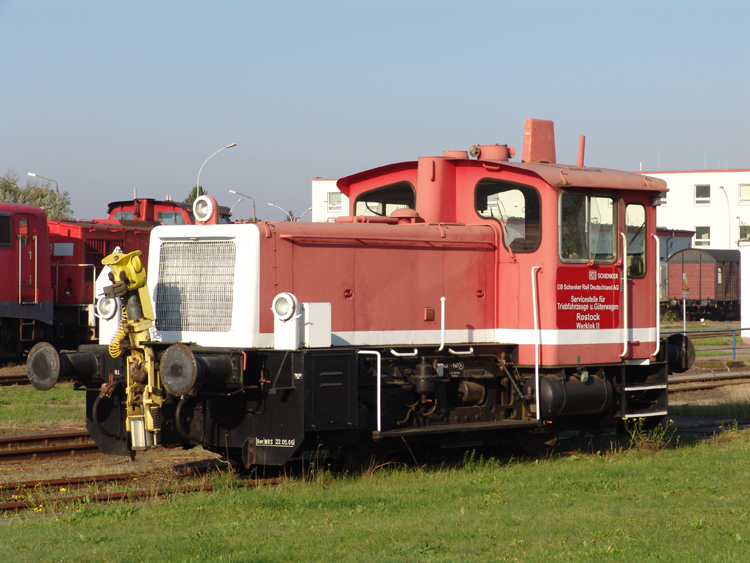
(195,288)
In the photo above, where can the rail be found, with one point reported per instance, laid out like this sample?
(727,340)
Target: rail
(537,338)
(442,324)
(625,310)
(658,293)
(404,354)
(36,271)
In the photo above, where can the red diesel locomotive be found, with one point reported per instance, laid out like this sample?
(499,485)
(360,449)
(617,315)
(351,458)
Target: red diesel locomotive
(465,298)
(26,309)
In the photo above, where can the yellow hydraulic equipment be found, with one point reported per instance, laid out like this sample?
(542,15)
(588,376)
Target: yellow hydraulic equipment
(144,395)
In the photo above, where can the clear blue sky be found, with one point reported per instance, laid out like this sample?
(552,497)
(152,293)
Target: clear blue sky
(105,96)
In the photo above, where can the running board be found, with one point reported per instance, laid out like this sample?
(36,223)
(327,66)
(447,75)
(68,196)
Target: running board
(645,414)
(646,387)
(457,428)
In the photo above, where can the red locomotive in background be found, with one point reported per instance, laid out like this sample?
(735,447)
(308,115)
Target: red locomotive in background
(466,298)
(47,288)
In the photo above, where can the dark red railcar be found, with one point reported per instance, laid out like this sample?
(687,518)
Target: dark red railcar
(76,249)
(711,279)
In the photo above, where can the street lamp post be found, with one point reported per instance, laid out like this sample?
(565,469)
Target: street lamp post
(235,203)
(198,183)
(289,215)
(305,211)
(248,196)
(57,188)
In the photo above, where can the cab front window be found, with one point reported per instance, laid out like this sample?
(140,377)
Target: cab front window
(587,228)
(385,200)
(170,218)
(516,207)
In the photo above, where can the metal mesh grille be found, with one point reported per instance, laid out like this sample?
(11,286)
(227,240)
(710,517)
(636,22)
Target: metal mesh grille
(195,287)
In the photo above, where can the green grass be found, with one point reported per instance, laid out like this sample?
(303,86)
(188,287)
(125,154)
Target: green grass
(23,408)
(714,340)
(711,353)
(682,504)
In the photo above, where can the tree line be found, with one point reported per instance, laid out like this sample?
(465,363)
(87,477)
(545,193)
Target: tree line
(56,205)
(36,192)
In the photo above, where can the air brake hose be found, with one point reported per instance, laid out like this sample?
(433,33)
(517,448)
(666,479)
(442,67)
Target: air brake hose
(97,424)
(186,398)
(115,346)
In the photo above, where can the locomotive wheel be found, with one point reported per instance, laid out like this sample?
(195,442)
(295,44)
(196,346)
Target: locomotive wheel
(536,443)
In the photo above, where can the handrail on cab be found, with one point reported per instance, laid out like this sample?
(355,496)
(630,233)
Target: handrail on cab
(625,295)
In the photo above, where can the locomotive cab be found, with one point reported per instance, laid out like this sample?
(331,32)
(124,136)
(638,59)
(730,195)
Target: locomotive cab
(466,298)
(25,290)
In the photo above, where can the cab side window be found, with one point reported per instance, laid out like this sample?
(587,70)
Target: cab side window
(23,231)
(635,232)
(6,236)
(587,228)
(170,218)
(516,207)
(383,201)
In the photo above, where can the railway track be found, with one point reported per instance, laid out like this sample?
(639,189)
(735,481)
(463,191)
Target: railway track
(47,446)
(31,494)
(41,493)
(701,381)
(13,376)
(18,376)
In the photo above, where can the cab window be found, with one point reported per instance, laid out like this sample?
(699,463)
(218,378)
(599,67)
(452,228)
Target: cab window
(635,231)
(6,237)
(587,228)
(384,201)
(170,218)
(23,231)
(516,207)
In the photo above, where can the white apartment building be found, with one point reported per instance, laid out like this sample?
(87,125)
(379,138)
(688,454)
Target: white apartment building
(715,204)
(327,201)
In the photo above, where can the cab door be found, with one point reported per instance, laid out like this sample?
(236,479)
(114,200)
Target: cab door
(26,240)
(639,266)
(589,298)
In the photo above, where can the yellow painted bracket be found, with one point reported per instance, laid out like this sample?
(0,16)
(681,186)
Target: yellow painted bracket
(128,269)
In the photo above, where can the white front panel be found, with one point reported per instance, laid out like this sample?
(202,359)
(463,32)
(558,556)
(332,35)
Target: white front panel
(204,283)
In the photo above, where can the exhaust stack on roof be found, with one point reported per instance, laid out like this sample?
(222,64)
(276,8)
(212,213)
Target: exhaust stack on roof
(538,141)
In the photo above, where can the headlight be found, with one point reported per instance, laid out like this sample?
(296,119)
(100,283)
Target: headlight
(285,306)
(203,208)
(106,308)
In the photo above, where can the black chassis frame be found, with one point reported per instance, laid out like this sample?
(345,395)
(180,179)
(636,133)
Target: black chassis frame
(278,404)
